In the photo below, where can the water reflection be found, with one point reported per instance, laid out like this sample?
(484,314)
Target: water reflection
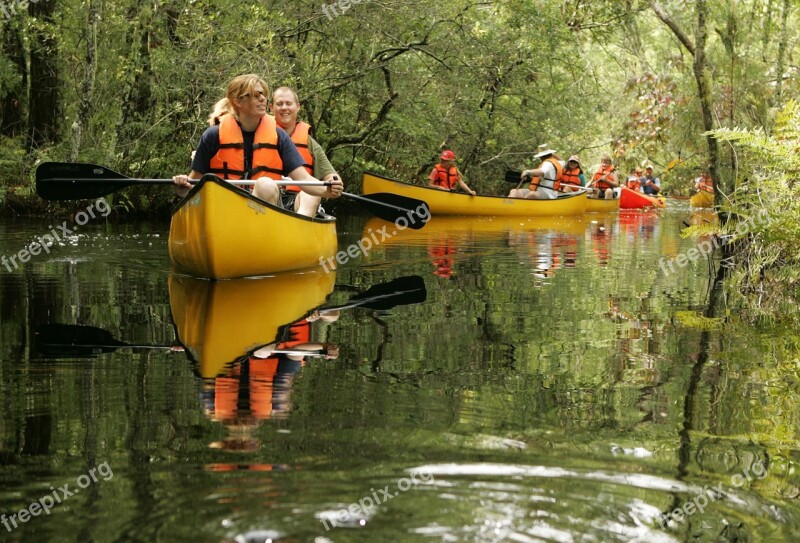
(601,232)
(246,339)
(220,321)
(544,244)
(639,224)
(249,339)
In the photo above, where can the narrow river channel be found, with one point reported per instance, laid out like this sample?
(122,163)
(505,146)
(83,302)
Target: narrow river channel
(538,380)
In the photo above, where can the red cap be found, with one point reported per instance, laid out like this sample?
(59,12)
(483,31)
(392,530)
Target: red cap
(448,155)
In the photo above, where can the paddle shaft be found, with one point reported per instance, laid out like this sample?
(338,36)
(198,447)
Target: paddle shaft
(171,348)
(514,177)
(131,180)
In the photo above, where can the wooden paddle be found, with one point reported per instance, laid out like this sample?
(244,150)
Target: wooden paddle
(76,340)
(78,181)
(516,177)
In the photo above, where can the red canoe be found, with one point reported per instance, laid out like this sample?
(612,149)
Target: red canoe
(630,199)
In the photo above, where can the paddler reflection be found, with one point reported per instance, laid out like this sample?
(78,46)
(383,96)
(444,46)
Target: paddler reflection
(258,386)
(236,334)
(548,248)
(248,358)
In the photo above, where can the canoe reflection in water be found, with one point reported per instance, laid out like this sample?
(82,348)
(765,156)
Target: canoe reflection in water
(231,331)
(236,334)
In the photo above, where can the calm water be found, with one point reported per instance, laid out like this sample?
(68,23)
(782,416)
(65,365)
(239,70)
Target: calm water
(556,384)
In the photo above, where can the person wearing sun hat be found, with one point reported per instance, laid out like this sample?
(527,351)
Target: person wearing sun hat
(652,184)
(545,180)
(572,177)
(446,176)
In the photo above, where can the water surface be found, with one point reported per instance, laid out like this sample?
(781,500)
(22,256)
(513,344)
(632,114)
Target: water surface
(561,381)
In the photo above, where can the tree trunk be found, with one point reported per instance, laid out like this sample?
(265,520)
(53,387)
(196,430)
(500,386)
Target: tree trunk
(698,51)
(781,63)
(704,93)
(11,104)
(87,87)
(44,98)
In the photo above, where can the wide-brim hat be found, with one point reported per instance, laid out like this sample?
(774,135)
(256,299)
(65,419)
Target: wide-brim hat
(574,158)
(448,155)
(543,150)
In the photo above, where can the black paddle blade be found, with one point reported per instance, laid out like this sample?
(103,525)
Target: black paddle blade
(410,212)
(74,340)
(76,181)
(401,291)
(514,177)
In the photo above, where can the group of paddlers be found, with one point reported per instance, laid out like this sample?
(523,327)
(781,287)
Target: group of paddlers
(553,176)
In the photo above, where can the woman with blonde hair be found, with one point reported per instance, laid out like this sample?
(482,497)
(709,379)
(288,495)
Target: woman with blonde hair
(248,144)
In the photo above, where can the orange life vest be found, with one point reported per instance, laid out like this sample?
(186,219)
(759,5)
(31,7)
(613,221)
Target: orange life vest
(571,177)
(300,139)
(260,378)
(634,183)
(229,162)
(601,171)
(556,182)
(299,333)
(446,178)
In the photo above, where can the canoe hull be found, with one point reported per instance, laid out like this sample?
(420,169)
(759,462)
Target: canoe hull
(221,232)
(630,199)
(452,203)
(602,205)
(702,199)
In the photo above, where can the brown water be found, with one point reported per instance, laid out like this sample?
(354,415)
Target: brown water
(557,383)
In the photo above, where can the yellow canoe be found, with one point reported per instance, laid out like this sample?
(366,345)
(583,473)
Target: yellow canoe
(702,199)
(453,203)
(220,231)
(219,322)
(601,205)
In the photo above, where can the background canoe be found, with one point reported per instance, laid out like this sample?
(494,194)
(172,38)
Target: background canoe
(702,199)
(630,199)
(454,203)
(601,205)
(220,231)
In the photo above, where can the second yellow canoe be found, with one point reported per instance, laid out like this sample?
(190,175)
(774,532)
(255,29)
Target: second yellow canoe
(452,203)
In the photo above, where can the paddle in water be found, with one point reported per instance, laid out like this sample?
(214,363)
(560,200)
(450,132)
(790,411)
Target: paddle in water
(79,181)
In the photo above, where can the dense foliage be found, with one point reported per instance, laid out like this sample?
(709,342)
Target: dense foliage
(386,85)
